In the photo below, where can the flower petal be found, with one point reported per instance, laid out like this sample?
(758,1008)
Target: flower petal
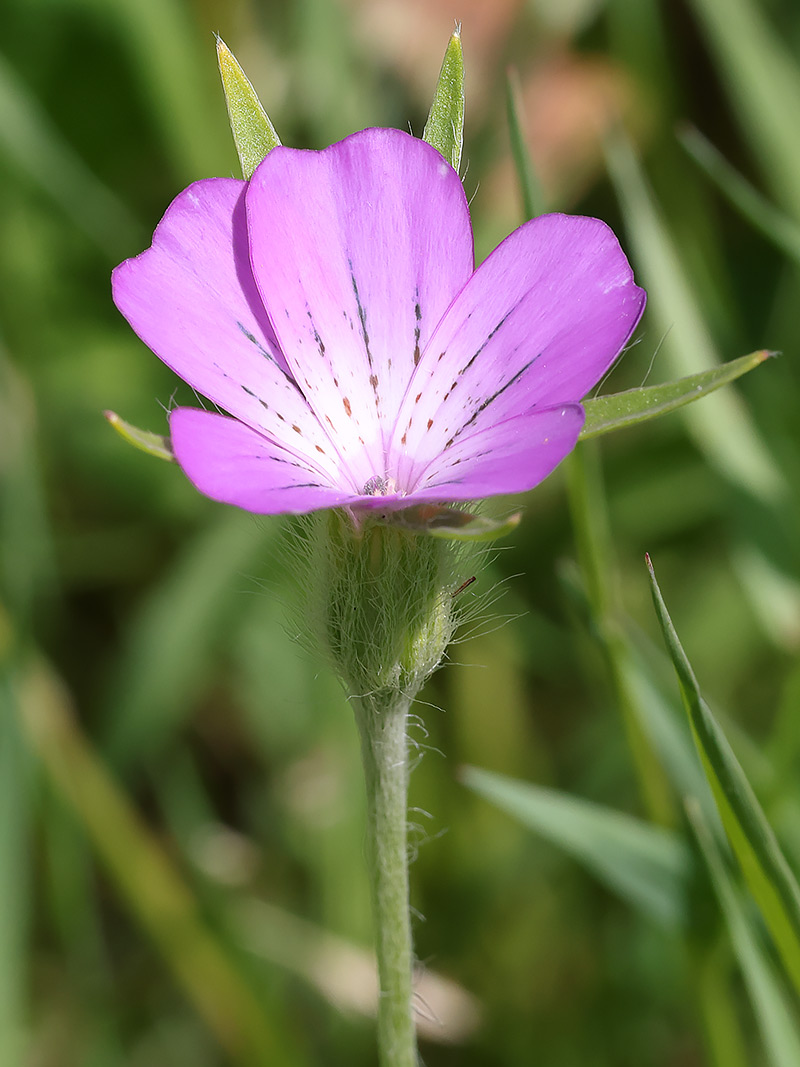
(229,462)
(511,457)
(357,251)
(192,299)
(539,323)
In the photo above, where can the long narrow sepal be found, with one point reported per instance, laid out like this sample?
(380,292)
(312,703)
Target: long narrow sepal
(607,413)
(452,524)
(253,133)
(155,444)
(445,126)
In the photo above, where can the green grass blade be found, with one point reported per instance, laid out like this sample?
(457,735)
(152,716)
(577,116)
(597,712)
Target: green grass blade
(170,56)
(144,876)
(171,641)
(778,1028)
(253,133)
(533,200)
(30,139)
(445,126)
(763,79)
(15,887)
(646,866)
(722,426)
(777,227)
(605,414)
(768,875)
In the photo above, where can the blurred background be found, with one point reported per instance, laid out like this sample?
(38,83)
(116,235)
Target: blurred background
(181,812)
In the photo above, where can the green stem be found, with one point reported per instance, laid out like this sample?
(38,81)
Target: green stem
(598,564)
(381,722)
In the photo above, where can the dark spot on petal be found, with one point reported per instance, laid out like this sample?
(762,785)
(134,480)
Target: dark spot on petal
(328,420)
(347,407)
(430,423)
(404,440)
(416,354)
(322,450)
(416,398)
(297,429)
(373,380)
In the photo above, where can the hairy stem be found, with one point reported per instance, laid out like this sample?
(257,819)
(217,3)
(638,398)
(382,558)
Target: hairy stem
(381,722)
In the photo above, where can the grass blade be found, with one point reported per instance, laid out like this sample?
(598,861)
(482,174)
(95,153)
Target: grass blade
(772,223)
(645,865)
(768,875)
(533,200)
(763,81)
(722,426)
(778,1028)
(144,876)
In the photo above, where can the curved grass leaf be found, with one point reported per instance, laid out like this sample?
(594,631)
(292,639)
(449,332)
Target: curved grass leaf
(722,427)
(445,126)
(763,864)
(533,198)
(253,133)
(646,866)
(605,414)
(778,1028)
(209,974)
(760,69)
(154,444)
(773,224)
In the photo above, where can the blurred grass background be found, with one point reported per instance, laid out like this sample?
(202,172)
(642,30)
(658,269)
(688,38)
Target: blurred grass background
(181,868)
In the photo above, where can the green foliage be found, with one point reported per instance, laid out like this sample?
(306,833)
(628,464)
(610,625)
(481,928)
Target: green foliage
(647,866)
(760,856)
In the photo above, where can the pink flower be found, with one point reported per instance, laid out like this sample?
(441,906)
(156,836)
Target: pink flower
(331,307)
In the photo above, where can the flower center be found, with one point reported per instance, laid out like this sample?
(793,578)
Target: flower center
(379,485)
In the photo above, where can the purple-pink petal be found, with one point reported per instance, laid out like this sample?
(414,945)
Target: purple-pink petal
(357,251)
(229,462)
(192,299)
(539,323)
(511,457)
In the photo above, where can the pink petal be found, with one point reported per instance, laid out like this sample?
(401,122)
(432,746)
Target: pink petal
(358,251)
(229,462)
(192,299)
(508,458)
(539,323)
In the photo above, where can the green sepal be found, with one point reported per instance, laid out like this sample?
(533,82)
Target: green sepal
(451,524)
(155,444)
(445,126)
(253,133)
(768,875)
(607,413)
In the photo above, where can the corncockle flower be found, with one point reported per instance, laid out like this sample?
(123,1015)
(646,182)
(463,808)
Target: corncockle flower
(331,307)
